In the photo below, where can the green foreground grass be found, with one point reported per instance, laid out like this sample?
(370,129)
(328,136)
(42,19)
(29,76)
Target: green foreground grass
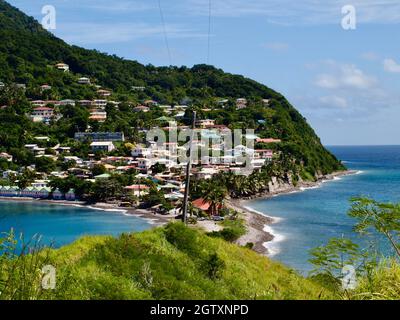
(172,262)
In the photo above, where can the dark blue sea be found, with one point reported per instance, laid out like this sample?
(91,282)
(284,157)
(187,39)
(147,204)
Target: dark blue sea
(59,225)
(311,217)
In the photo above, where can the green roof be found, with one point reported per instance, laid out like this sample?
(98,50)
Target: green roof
(103,176)
(163,118)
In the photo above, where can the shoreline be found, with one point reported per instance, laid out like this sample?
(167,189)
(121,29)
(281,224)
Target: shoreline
(258,224)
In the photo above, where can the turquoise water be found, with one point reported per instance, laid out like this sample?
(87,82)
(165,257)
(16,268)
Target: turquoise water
(59,225)
(309,218)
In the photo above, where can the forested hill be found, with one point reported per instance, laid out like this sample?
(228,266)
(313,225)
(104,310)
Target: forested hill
(28,54)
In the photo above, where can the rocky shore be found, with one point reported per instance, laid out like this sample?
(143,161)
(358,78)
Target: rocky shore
(256,222)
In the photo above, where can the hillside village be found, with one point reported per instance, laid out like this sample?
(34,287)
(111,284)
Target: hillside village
(150,165)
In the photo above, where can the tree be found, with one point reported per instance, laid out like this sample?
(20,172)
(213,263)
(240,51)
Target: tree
(98,169)
(106,189)
(26,178)
(216,196)
(45,164)
(158,168)
(383,218)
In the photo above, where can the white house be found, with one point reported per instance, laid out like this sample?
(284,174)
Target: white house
(67,102)
(205,123)
(62,66)
(84,80)
(144,164)
(103,93)
(99,103)
(140,151)
(98,115)
(106,146)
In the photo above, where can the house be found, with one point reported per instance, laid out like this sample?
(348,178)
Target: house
(38,103)
(6,156)
(103,93)
(99,103)
(45,87)
(205,206)
(268,140)
(42,114)
(67,102)
(140,151)
(99,136)
(266,102)
(106,146)
(137,190)
(241,101)
(40,183)
(85,103)
(9,173)
(70,195)
(9,191)
(84,80)
(44,138)
(205,123)
(206,173)
(151,103)
(141,109)
(263,154)
(57,195)
(144,164)
(62,66)
(138,88)
(98,115)
(2,85)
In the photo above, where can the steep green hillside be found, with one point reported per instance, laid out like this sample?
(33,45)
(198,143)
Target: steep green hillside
(174,262)
(28,54)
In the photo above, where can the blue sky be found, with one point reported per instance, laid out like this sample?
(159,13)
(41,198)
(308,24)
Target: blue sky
(345,82)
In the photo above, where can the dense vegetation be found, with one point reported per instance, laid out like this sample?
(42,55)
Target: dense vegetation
(28,54)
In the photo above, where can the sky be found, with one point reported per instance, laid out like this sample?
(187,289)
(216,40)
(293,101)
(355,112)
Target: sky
(345,81)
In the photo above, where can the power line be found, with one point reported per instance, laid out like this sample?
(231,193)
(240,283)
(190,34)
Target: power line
(209,31)
(165,32)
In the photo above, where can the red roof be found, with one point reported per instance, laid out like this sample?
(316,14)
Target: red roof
(43,109)
(137,187)
(268,140)
(201,204)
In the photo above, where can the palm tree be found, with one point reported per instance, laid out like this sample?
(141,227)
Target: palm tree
(215,195)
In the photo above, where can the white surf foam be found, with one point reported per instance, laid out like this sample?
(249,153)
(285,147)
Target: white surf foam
(274,219)
(273,246)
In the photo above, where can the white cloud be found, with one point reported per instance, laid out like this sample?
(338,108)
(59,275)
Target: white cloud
(391,66)
(334,101)
(345,76)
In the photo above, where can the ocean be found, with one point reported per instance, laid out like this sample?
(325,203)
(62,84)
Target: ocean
(58,225)
(309,218)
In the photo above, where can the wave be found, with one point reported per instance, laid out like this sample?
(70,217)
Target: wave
(274,219)
(273,246)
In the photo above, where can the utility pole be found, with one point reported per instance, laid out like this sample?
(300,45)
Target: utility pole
(188,169)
